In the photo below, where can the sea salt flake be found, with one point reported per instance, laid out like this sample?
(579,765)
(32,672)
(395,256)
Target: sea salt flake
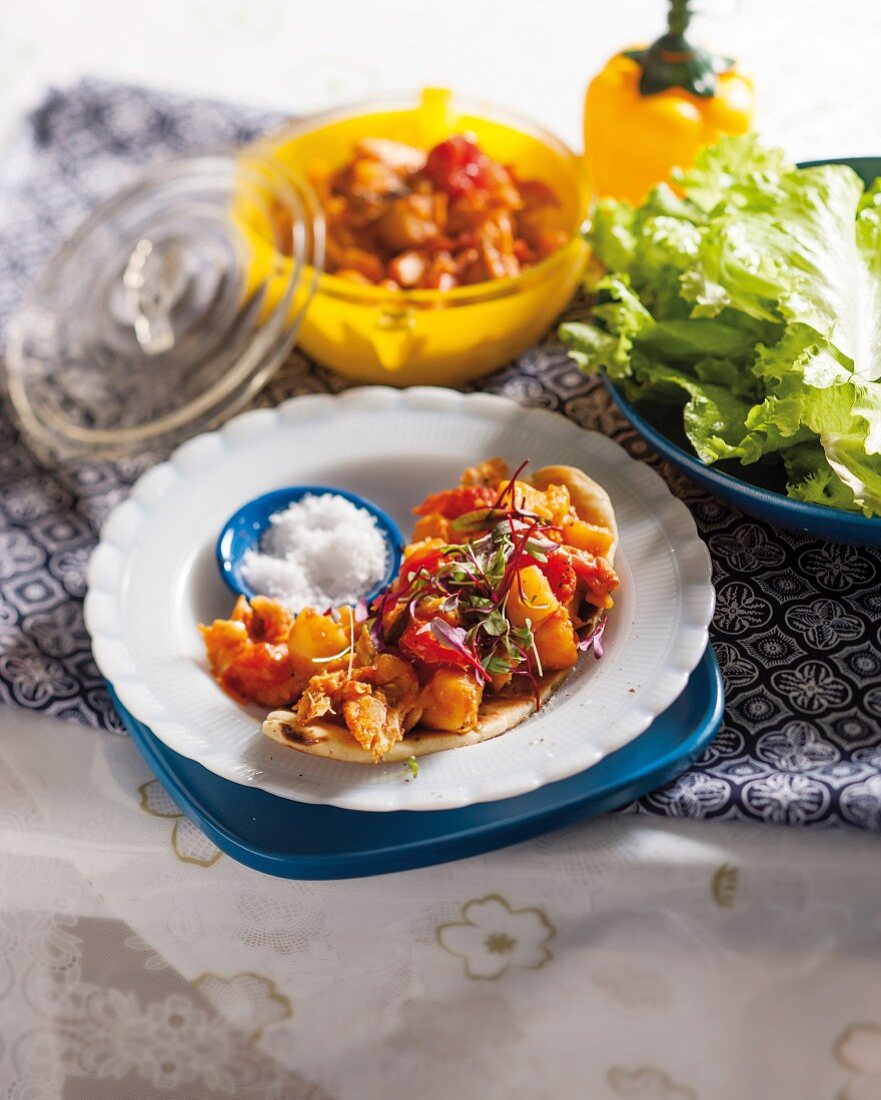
(322,550)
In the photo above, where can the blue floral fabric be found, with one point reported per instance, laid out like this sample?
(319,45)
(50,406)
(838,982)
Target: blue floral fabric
(797,629)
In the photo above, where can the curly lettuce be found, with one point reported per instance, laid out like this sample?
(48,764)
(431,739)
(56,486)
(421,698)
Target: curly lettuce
(751,298)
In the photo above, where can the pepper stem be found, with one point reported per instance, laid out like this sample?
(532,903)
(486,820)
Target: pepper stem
(672,61)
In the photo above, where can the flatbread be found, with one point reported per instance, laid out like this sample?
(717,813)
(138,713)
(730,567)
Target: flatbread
(589,499)
(332,740)
(498,713)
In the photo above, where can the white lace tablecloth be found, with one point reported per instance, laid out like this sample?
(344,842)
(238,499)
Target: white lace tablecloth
(628,958)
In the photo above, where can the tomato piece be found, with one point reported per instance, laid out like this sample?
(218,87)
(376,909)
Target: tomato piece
(452,503)
(427,559)
(457,166)
(560,575)
(419,642)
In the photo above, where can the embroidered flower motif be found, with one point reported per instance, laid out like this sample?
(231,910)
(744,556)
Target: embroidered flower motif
(852,730)
(812,687)
(34,679)
(8,619)
(251,1002)
(742,768)
(189,843)
(60,632)
(492,937)
(837,568)
(797,748)
(861,803)
(724,885)
(758,708)
(737,671)
(785,799)
(786,585)
(170,1044)
(69,566)
(748,549)
(738,608)
(823,623)
(276,924)
(728,742)
(646,1083)
(32,497)
(17,554)
(710,512)
(869,601)
(858,1051)
(863,662)
(693,795)
(872,701)
(773,647)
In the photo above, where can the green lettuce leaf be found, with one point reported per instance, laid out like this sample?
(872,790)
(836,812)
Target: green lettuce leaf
(753,297)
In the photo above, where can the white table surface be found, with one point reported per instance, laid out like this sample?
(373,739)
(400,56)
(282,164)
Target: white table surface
(624,958)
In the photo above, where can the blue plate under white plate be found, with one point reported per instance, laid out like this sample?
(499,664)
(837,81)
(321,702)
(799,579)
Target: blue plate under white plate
(153,578)
(757,490)
(297,840)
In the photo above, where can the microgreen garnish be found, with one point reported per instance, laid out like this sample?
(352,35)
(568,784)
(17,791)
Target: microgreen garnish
(594,639)
(459,592)
(413,766)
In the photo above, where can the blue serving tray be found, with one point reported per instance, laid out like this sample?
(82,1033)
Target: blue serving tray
(302,841)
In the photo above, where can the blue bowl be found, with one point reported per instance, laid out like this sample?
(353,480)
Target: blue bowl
(765,501)
(244,529)
(757,490)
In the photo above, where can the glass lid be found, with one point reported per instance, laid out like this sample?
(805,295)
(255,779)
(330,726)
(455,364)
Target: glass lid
(168,309)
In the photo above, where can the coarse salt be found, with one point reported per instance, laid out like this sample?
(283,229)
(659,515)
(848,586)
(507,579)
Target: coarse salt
(321,551)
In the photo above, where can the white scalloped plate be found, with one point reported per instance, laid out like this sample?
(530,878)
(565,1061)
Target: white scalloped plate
(153,578)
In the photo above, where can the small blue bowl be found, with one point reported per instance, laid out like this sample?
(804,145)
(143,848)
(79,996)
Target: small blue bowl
(244,530)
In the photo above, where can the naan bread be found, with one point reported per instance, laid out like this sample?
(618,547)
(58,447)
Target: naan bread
(498,713)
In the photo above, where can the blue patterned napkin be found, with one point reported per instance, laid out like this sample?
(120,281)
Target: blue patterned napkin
(797,623)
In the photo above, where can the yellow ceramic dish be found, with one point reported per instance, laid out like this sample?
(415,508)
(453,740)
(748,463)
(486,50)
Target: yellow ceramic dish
(431,337)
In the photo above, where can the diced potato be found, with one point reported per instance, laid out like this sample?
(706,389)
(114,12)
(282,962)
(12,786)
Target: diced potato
(557,501)
(587,536)
(556,643)
(451,700)
(316,635)
(528,498)
(433,526)
(530,597)
(408,268)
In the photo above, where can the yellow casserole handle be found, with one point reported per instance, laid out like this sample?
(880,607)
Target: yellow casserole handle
(434,115)
(393,337)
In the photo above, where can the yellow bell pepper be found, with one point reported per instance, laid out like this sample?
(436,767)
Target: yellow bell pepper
(651,110)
